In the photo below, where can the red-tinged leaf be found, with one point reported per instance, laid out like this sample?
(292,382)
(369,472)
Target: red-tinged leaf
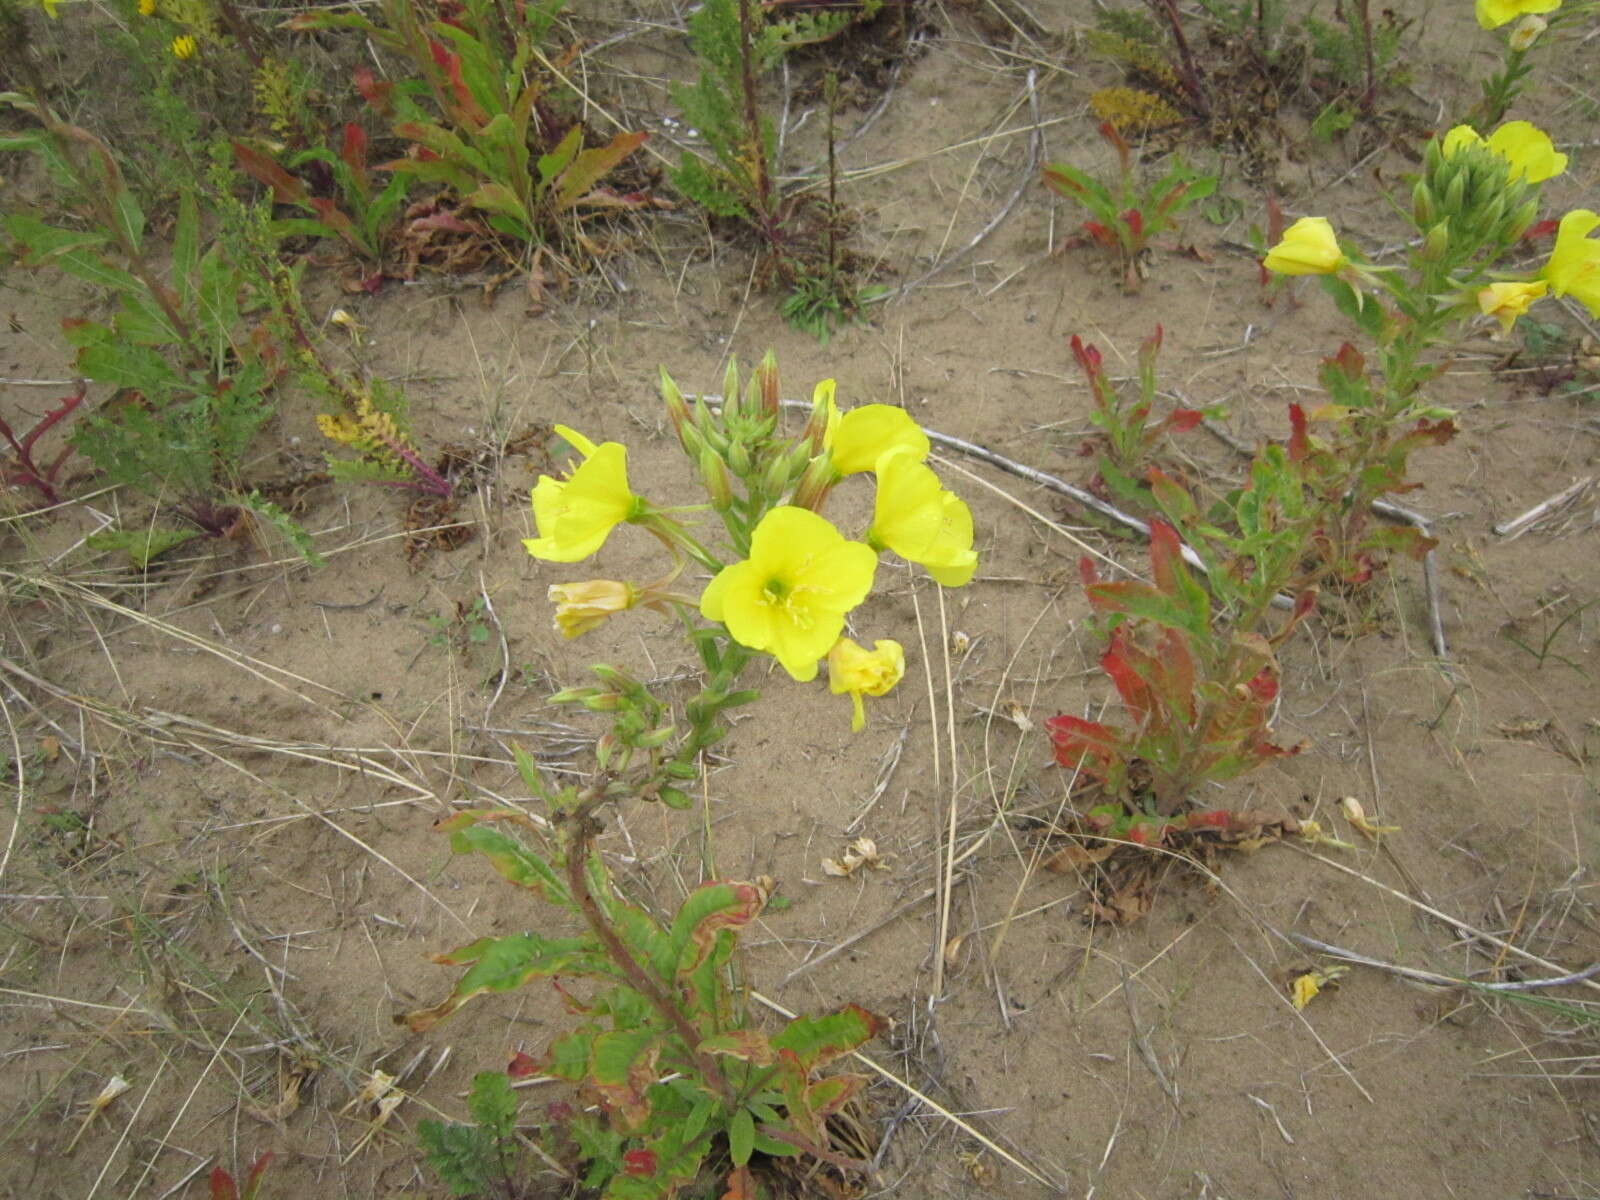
(1178,672)
(1088,357)
(741,1185)
(286,189)
(252,1181)
(1348,362)
(1086,571)
(222,1185)
(1216,818)
(706,912)
(1541,229)
(816,1041)
(1134,220)
(1117,663)
(330,215)
(747,1045)
(522,1065)
(1166,556)
(639,1163)
(1085,746)
(372,283)
(1264,686)
(373,91)
(828,1096)
(591,166)
(623,1069)
(354,149)
(446,221)
(1100,233)
(1182,420)
(1299,439)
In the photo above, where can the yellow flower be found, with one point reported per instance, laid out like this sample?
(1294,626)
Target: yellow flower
(49,7)
(864,672)
(576,515)
(1508,301)
(1308,247)
(790,596)
(1494,13)
(184,46)
(1527,148)
(581,607)
(1574,265)
(920,521)
(147,8)
(863,435)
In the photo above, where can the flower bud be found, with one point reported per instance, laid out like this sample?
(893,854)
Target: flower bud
(1519,222)
(1423,209)
(1527,32)
(1455,192)
(655,737)
(730,391)
(677,407)
(822,411)
(716,480)
(767,374)
(816,481)
(739,458)
(775,480)
(1436,242)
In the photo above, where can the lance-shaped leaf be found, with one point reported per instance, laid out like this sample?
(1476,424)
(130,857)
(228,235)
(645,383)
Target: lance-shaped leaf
(591,166)
(747,1045)
(622,1070)
(505,964)
(815,1041)
(470,833)
(705,913)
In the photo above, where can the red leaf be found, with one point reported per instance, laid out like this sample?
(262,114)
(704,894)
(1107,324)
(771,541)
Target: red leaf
(1134,219)
(1088,357)
(354,150)
(1086,572)
(1264,686)
(1540,229)
(1184,419)
(222,1185)
(1299,441)
(1083,745)
(1100,233)
(522,1065)
(372,91)
(639,1163)
(1166,550)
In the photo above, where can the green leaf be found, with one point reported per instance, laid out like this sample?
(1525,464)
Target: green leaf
(141,546)
(185,250)
(508,856)
(705,913)
(493,1104)
(590,167)
(505,964)
(741,1137)
(818,1040)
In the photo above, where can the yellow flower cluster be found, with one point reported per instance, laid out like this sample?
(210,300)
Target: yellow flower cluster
(1528,151)
(790,595)
(184,46)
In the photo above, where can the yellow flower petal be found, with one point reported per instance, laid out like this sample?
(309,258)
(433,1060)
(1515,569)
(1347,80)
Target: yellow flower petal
(1529,151)
(790,597)
(576,516)
(1494,13)
(583,606)
(1459,139)
(862,672)
(184,46)
(921,522)
(1308,247)
(1574,266)
(865,434)
(1508,301)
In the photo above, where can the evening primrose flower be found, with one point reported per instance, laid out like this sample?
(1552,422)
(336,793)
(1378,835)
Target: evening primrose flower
(921,522)
(1508,301)
(576,515)
(1525,147)
(1574,265)
(147,8)
(861,436)
(1308,247)
(581,607)
(184,46)
(862,672)
(790,597)
(1494,13)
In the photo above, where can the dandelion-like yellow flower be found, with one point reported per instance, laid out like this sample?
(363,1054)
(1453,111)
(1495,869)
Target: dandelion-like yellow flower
(790,597)
(1508,301)
(1526,148)
(576,515)
(862,672)
(147,8)
(581,607)
(921,522)
(1574,266)
(1494,13)
(861,436)
(1308,247)
(184,46)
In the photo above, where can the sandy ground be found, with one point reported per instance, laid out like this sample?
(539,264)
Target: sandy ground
(222,882)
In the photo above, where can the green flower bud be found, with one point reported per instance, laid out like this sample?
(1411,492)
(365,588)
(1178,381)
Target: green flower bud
(673,798)
(656,737)
(815,483)
(1520,221)
(1436,242)
(775,479)
(718,483)
(739,458)
(1423,209)
(767,374)
(1455,193)
(730,391)
(677,407)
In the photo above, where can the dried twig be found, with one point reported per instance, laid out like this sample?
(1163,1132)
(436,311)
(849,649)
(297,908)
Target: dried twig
(1516,985)
(1519,525)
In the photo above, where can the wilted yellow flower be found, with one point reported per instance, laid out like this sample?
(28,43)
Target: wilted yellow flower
(1525,147)
(581,607)
(1308,247)
(1574,266)
(921,522)
(863,672)
(1494,13)
(1508,301)
(863,435)
(1527,32)
(184,46)
(789,598)
(576,515)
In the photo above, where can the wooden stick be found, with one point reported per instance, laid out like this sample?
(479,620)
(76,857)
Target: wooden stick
(1519,525)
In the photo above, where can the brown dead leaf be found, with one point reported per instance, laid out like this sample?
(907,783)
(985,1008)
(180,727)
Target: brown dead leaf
(863,852)
(1071,859)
